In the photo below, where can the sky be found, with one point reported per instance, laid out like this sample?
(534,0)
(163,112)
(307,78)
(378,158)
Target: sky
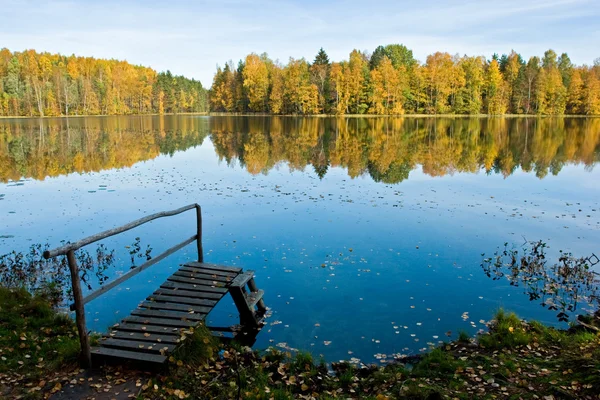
(191,37)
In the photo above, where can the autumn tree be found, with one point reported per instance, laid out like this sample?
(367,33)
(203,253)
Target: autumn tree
(442,78)
(388,85)
(357,71)
(469,99)
(495,86)
(256,82)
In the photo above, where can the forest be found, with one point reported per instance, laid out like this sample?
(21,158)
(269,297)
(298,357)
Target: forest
(44,84)
(391,81)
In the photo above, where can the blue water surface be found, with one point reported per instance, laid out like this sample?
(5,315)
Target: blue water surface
(351,267)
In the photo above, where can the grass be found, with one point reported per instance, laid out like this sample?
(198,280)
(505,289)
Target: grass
(515,359)
(35,341)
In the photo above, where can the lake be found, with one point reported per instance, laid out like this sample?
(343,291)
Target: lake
(366,234)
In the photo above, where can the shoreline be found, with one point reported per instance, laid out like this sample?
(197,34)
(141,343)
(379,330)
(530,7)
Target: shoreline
(514,357)
(246,114)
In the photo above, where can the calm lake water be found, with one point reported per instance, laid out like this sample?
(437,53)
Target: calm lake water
(365,233)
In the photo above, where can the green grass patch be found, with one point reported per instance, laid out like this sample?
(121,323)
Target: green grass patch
(35,340)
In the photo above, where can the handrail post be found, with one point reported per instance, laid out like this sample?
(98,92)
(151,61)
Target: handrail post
(199,233)
(84,341)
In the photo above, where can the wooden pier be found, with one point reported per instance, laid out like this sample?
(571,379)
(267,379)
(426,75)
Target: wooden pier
(154,330)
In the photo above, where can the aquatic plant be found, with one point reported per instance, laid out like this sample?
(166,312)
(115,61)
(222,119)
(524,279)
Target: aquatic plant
(562,286)
(32,272)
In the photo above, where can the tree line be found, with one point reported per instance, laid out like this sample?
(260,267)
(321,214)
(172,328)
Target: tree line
(44,84)
(391,81)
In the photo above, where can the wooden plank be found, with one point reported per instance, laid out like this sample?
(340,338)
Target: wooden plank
(183,300)
(157,305)
(191,268)
(261,304)
(106,287)
(176,315)
(148,328)
(199,233)
(187,274)
(172,323)
(246,314)
(254,297)
(193,287)
(242,279)
(213,267)
(145,337)
(197,282)
(130,355)
(111,232)
(134,345)
(194,294)
(85,357)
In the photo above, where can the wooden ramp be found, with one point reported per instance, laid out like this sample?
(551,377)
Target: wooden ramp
(183,301)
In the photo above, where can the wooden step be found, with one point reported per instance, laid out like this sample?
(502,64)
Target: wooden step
(148,328)
(170,323)
(183,300)
(129,355)
(134,345)
(194,294)
(145,337)
(186,273)
(175,315)
(242,279)
(212,272)
(157,305)
(253,298)
(194,287)
(213,267)
(197,282)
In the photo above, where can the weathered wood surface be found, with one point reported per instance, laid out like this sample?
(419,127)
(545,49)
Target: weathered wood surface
(84,340)
(153,330)
(134,271)
(123,228)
